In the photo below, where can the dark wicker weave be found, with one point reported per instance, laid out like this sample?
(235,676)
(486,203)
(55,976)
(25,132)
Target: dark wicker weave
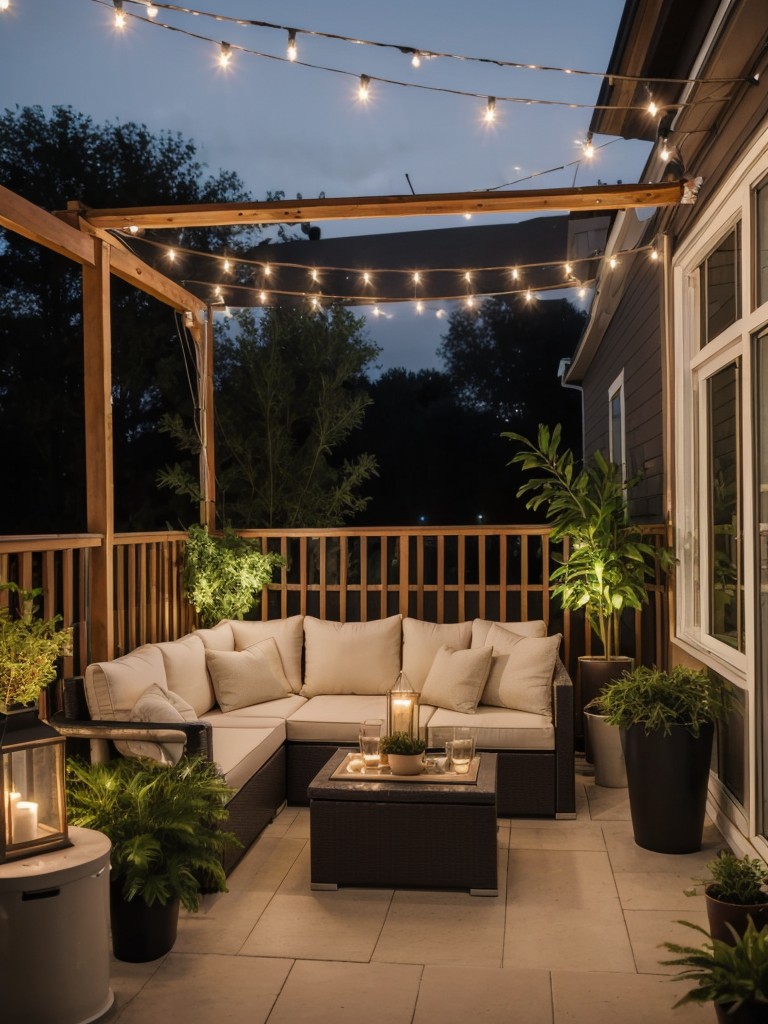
(393,834)
(254,805)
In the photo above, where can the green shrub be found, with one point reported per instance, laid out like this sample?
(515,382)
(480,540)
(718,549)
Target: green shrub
(29,648)
(735,880)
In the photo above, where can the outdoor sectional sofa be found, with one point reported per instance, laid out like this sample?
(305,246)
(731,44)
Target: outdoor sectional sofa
(270,701)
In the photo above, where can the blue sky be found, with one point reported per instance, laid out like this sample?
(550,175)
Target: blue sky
(299,130)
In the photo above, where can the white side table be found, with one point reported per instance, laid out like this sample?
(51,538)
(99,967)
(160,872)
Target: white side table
(54,934)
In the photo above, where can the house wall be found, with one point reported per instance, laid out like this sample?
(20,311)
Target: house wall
(632,344)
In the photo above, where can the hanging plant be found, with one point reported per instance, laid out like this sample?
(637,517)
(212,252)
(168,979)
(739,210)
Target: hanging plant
(29,648)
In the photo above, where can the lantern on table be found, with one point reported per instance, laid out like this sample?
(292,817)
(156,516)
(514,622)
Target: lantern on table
(403,708)
(33,812)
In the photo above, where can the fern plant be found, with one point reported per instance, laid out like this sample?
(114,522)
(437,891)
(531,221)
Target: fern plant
(223,576)
(164,823)
(29,647)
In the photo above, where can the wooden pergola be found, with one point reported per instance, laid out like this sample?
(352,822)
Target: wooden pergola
(83,235)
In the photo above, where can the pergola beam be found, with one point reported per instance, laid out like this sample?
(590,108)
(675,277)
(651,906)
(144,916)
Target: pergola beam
(204,215)
(19,215)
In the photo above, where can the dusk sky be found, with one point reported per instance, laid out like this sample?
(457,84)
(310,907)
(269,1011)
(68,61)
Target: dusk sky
(297,129)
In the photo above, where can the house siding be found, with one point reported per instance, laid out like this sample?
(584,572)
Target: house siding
(632,343)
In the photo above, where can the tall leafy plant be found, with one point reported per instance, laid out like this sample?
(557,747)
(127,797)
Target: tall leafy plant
(29,647)
(608,562)
(223,576)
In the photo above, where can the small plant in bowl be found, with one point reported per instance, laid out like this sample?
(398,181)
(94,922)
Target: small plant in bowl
(405,753)
(736,891)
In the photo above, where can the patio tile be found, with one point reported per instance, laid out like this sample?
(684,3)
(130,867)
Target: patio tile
(126,981)
(657,890)
(299,827)
(648,929)
(608,804)
(590,938)
(443,928)
(317,993)
(484,994)
(574,835)
(579,879)
(225,927)
(282,822)
(626,855)
(602,998)
(266,864)
(200,989)
(342,925)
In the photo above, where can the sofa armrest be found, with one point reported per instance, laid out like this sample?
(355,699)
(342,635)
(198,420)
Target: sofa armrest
(196,736)
(562,717)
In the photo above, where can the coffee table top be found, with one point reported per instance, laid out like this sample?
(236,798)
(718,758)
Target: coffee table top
(386,787)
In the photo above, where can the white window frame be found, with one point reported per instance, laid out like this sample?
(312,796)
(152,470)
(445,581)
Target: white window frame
(620,458)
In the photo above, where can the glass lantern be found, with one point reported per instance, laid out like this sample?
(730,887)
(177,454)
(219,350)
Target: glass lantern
(33,811)
(403,708)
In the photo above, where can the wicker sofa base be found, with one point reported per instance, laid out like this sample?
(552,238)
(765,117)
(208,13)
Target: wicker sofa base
(254,805)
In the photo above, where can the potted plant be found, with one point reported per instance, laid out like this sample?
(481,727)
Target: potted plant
(29,648)
(223,576)
(405,753)
(667,722)
(164,823)
(608,563)
(736,891)
(733,976)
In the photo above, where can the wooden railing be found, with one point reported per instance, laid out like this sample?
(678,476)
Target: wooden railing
(446,574)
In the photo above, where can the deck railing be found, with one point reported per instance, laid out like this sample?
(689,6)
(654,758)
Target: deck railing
(443,574)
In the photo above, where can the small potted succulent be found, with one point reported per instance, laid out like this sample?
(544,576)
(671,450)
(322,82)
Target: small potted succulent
(405,753)
(733,976)
(736,891)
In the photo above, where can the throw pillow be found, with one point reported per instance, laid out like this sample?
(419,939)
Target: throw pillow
(456,678)
(351,657)
(184,661)
(521,671)
(160,707)
(243,678)
(422,641)
(288,634)
(531,627)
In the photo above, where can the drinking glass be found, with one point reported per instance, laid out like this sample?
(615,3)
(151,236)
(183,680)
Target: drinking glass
(462,750)
(370,739)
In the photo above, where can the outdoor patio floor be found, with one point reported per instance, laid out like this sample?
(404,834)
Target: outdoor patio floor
(573,937)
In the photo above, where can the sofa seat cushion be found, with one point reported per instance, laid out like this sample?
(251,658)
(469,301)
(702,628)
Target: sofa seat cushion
(112,688)
(422,641)
(288,635)
(351,657)
(241,752)
(480,628)
(278,709)
(185,671)
(496,728)
(335,718)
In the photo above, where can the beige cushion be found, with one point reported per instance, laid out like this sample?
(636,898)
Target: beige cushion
(217,638)
(185,671)
(242,678)
(165,707)
(422,641)
(270,709)
(113,687)
(496,729)
(241,752)
(480,627)
(457,678)
(521,671)
(351,657)
(289,637)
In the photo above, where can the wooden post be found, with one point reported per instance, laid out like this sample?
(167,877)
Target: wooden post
(206,421)
(98,450)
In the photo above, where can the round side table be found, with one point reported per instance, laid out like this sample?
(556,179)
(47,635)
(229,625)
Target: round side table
(54,934)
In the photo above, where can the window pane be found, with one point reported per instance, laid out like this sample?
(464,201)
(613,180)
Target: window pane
(762,244)
(726,575)
(616,428)
(720,287)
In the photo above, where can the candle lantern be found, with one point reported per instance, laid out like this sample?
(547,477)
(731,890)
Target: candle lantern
(403,708)
(33,810)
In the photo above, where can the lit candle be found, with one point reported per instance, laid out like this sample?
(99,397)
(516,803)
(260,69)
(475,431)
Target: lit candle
(24,821)
(401,714)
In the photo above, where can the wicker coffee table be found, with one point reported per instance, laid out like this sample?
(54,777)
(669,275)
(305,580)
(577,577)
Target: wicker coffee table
(393,834)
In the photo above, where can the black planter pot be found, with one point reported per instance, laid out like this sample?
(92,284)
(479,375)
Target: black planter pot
(720,914)
(667,778)
(747,1013)
(139,932)
(593,676)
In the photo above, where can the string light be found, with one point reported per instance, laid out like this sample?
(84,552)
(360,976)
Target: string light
(589,149)
(490,110)
(582,292)
(263,296)
(313,274)
(529,296)
(416,59)
(364,89)
(225,55)
(665,154)
(439,313)
(419,307)
(152,12)
(653,109)
(468,277)
(613,263)
(470,302)
(515,274)
(654,254)
(315,303)
(133,229)
(4,5)
(417,278)
(376,311)
(172,255)
(120,17)
(292,52)
(568,269)
(227,266)
(267,270)
(366,278)
(467,216)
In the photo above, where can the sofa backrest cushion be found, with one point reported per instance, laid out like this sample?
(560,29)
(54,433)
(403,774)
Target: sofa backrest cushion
(113,687)
(422,641)
(218,637)
(521,671)
(457,678)
(480,627)
(185,671)
(289,637)
(351,657)
(243,678)
(158,705)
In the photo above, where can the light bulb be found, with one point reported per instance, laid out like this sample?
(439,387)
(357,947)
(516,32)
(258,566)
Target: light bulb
(490,110)
(468,277)
(263,296)
(120,18)
(227,266)
(589,149)
(654,254)
(440,313)
(225,55)
(417,278)
(313,275)
(582,292)
(133,229)
(416,59)
(665,154)
(366,278)
(529,296)
(292,51)
(376,311)
(515,274)
(4,5)
(467,216)
(568,268)
(419,307)
(267,270)
(315,303)
(470,302)
(152,13)
(172,255)
(613,263)
(653,109)
(364,90)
